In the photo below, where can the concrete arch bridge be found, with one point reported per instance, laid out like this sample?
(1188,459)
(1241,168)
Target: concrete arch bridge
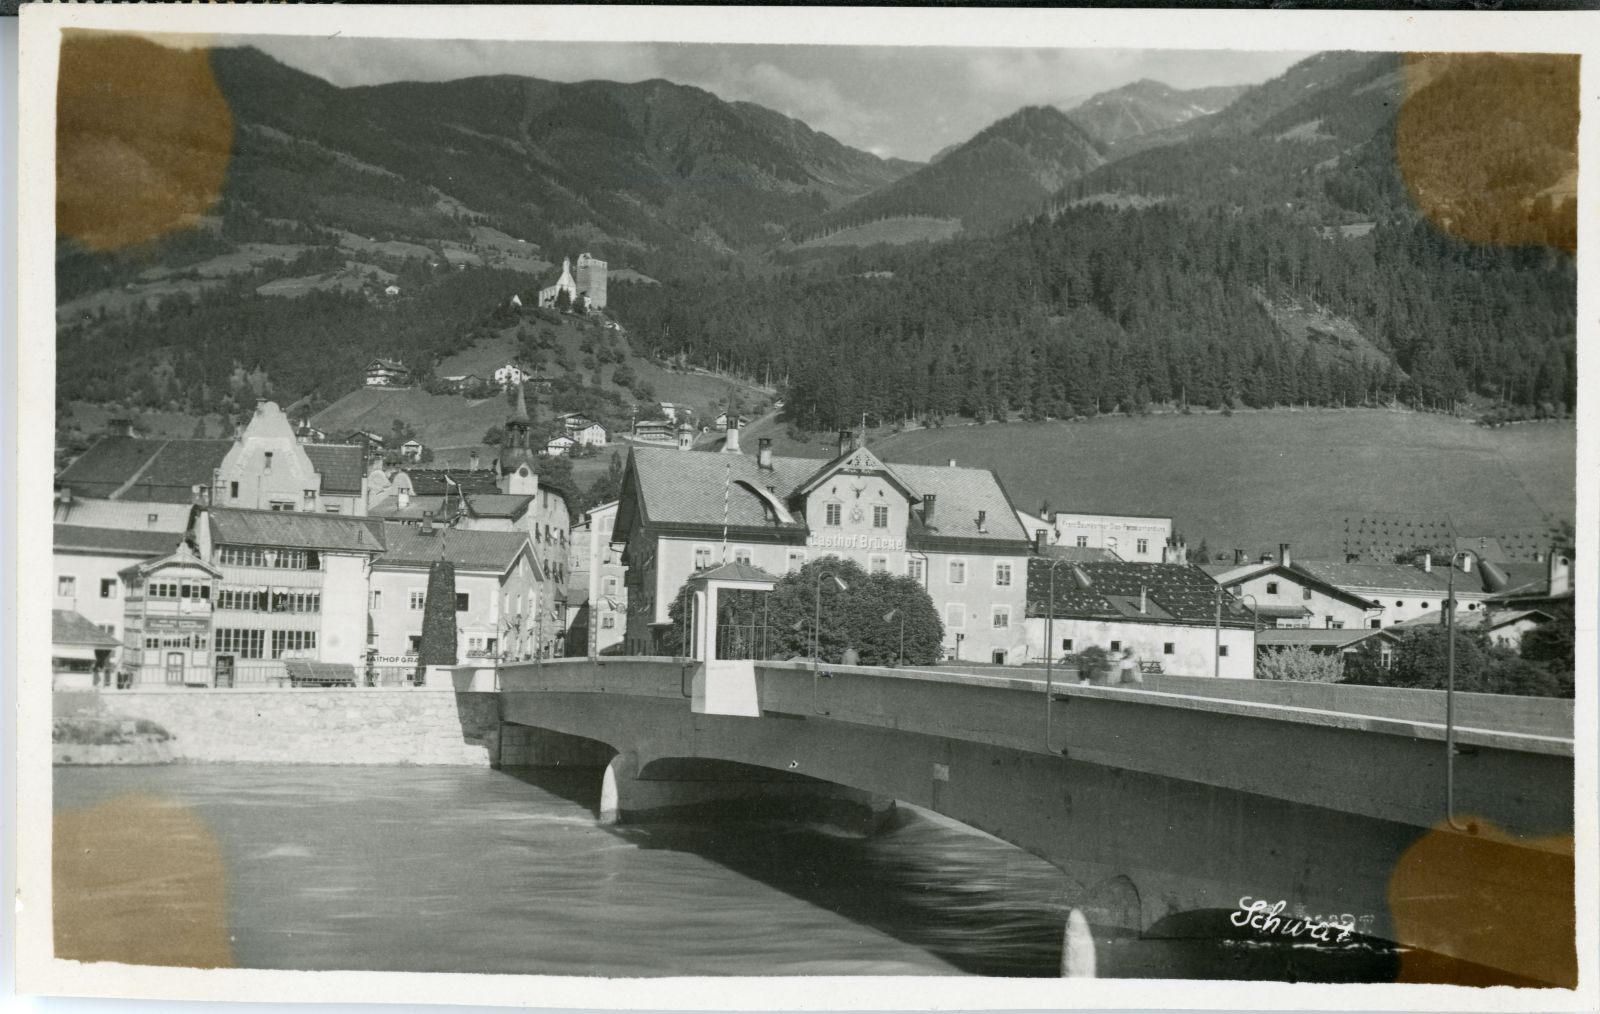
(1181,795)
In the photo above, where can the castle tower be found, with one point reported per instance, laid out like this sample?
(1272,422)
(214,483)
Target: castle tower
(591,280)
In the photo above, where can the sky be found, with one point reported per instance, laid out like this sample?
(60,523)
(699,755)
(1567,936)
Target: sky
(902,101)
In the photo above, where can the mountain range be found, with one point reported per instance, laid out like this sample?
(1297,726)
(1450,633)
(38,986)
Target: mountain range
(458,193)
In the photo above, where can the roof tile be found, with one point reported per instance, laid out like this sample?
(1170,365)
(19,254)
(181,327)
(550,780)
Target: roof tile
(297,530)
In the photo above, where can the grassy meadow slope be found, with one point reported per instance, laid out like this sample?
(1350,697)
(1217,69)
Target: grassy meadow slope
(1253,480)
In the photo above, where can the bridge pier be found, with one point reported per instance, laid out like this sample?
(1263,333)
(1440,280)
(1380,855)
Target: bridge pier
(690,788)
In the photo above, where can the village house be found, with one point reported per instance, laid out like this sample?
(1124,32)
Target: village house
(1171,616)
(388,372)
(558,445)
(582,430)
(597,595)
(168,636)
(658,431)
(952,530)
(82,655)
(1283,595)
(267,468)
(1329,641)
(89,562)
(496,593)
(290,585)
(1135,538)
(125,467)
(509,374)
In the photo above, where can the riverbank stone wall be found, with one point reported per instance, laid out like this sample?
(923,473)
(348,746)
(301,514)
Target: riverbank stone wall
(410,725)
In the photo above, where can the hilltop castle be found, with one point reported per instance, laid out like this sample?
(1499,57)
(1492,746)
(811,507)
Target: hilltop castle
(589,281)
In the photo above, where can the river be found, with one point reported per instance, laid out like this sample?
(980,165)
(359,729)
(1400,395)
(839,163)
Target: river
(446,869)
(473,870)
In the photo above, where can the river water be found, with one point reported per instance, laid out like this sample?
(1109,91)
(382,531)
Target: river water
(472,870)
(445,869)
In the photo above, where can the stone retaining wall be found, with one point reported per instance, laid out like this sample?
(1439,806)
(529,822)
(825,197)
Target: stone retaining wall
(421,725)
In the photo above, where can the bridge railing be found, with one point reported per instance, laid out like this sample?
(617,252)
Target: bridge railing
(792,687)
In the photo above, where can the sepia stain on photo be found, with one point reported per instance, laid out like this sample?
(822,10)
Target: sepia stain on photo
(668,509)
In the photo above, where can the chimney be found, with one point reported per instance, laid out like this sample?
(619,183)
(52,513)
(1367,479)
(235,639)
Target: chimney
(1283,554)
(731,444)
(1238,558)
(1041,539)
(982,517)
(845,441)
(427,523)
(764,454)
(1560,575)
(1427,563)
(1468,560)
(472,461)
(952,462)
(1143,600)
(927,509)
(403,498)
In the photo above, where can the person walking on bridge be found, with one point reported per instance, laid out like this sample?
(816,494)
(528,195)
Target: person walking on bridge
(1130,667)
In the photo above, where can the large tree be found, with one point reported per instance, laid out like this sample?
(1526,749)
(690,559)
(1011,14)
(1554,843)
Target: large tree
(865,615)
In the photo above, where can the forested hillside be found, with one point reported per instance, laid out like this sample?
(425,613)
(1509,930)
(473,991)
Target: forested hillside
(1098,310)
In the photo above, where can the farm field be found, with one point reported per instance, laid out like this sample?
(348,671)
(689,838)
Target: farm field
(890,230)
(1253,480)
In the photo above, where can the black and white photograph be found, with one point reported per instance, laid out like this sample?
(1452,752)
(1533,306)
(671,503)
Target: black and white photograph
(634,507)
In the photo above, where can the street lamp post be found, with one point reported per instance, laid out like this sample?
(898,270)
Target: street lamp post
(890,615)
(816,636)
(1049,651)
(1450,695)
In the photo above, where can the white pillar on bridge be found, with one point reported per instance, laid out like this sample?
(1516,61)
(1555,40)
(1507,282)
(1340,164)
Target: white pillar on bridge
(723,686)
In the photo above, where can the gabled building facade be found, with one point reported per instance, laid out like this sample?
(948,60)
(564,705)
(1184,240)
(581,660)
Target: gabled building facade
(167,620)
(953,530)
(267,468)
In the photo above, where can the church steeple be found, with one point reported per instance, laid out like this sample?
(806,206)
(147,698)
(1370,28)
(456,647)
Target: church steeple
(519,416)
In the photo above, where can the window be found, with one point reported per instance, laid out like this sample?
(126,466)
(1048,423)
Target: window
(1143,546)
(1066,644)
(1377,624)
(1002,574)
(1272,587)
(1168,648)
(289,600)
(282,505)
(915,568)
(1000,618)
(834,513)
(1399,603)
(331,508)
(1424,605)
(463,602)
(1385,656)
(954,617)
(1305,593)
(607,621)
(1334,624)
(269,461)
(1082,542)
(108,628)
(880,516)
(293,641)
(1222,651)
(414,643)
(741,556)
(1116,645)
(702,557)
(797,560)
(233,490)
(310,496)
(998,656)
(108,587)
(877,565)
(377,599)
(418,599)
(242,642)
(66,587)
(958,572)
